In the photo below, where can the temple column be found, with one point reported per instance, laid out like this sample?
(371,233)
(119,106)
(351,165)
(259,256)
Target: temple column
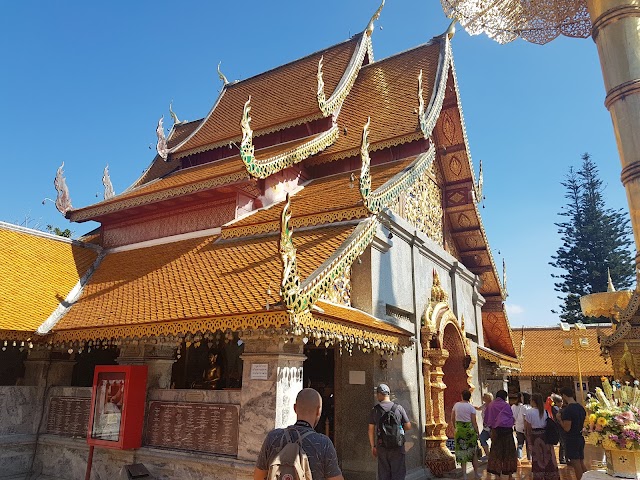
(271,380)
(438,457)
(43,368)
(159,358)
(616,32)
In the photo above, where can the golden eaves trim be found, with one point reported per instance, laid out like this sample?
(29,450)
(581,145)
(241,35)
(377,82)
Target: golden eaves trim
(498,358)
(321,218)
(246,322)
(89,213)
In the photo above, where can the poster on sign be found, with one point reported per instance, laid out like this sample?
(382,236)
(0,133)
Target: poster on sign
(107,416)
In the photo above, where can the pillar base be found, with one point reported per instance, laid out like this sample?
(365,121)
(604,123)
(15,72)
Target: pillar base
(438,457)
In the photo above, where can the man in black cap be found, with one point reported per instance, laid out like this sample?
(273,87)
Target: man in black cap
(387,423)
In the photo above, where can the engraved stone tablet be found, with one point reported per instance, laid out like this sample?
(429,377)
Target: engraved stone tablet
(68,416)
(197,427)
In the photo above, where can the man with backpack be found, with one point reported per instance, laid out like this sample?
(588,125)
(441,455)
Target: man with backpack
(298,452)
(387,423)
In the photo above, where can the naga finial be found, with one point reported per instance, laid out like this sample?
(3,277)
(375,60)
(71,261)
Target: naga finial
(610,287)
(221,75)
(109,192)
(322,100)
(365,171)
(246,146)
(504,279)
(451,31)
(480,184)
(63,200)
(173,114)
(376,16)
(161,145)
(420,97)
(290,285)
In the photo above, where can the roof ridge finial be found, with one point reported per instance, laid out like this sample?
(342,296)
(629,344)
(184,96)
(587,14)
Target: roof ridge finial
(221,75)
(451,31)
(610,287)
(504,279)
(365,171)
(480,184)
(63,200)
(290,284)
(172,113)
(161,145)
(322,99)
(376,16)
(109,192)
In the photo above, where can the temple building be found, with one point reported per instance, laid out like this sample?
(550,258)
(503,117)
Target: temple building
(552,358)
(318,227)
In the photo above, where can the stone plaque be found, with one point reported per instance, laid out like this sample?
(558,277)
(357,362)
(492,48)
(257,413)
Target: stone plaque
(198,427)
(68,416)
(260,371)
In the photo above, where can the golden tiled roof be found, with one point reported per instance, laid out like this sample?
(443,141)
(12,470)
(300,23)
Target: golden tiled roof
(182,131)
(38,271)
(185,181)
(550,351)
(386,91)
(357,317)
(498,358)
(194,279)
(323,200)
(278,96)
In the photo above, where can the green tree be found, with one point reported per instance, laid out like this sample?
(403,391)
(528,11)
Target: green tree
(58,231)
(594,238)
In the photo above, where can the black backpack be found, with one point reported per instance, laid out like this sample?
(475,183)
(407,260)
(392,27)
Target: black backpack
(390,431)
(551,432)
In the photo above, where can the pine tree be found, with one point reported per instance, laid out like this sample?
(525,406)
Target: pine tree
(594,238)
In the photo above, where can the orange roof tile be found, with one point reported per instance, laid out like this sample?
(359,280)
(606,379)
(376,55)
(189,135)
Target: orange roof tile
(182,131)
(278,96)
(184,181)
(387,91)
(550,351)
(318,202)
(194,278)
(38,271)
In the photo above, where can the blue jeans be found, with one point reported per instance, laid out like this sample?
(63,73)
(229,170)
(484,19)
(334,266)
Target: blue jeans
(521,442)
(484,437)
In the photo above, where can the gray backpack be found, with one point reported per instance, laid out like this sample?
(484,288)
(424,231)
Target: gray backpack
(292,462)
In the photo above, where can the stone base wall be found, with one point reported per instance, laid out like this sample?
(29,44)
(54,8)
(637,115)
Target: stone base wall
(66,459)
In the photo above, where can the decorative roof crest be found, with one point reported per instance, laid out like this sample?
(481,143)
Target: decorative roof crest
(610,287)
(505,291)
(376,16)
(480,184)
(173,114)
(161,145)
(246,146)
(109,192)
(290,285)
(322,99)
(365,171)
(451,31)
(221,75)
(63,200)
(420,98)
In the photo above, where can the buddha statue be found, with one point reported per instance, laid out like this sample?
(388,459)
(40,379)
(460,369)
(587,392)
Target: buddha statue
(212,374)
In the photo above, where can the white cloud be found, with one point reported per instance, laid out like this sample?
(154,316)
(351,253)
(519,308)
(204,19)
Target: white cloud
(513,309)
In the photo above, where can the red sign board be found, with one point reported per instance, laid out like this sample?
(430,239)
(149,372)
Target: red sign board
(117,406)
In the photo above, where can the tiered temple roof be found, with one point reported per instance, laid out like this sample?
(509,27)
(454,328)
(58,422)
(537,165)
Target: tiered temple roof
(198,243)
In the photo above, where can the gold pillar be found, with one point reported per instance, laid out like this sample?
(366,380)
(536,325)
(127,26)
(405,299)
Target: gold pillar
(437,457)
(616,31)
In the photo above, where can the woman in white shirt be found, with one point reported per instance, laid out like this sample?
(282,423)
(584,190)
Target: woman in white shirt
(466,436)
(519,409)
(543,457)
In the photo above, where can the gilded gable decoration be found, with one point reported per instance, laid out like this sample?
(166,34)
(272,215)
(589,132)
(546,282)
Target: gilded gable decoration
(161,145)
(221,76)
(63,200)
(429,116)
(264,167)
(290,285)
(479,185)
(389,192)
(505,292)
(109,192)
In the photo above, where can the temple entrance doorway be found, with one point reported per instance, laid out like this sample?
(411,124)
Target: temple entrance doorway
(319,373)
(455,375)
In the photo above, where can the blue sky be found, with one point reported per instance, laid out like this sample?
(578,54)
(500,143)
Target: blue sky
(85,83)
